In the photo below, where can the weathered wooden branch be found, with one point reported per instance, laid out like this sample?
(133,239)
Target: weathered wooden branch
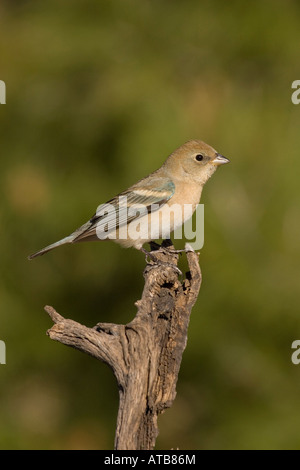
(145,355)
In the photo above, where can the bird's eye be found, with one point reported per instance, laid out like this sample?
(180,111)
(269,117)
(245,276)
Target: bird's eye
(199,157)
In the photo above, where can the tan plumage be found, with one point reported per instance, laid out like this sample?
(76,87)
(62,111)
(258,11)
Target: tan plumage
(179,180)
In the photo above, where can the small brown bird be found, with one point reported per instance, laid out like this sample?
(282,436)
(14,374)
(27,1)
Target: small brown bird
(145,211)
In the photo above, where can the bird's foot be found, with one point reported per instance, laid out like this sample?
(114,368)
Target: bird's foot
(166,245)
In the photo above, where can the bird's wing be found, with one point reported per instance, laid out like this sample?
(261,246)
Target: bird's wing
(144,197)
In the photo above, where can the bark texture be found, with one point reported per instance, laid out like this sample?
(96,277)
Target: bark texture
(145,355)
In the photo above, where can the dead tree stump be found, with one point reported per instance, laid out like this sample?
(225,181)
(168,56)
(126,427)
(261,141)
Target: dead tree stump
(145,355)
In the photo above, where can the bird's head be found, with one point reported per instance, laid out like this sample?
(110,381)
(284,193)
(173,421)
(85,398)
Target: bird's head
(195,160)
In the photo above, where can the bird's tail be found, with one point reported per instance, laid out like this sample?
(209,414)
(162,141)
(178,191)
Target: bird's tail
(68,239)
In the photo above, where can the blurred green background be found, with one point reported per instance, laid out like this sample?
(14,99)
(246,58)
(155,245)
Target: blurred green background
(98,95)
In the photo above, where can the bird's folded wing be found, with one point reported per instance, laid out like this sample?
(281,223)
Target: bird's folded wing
(147,196)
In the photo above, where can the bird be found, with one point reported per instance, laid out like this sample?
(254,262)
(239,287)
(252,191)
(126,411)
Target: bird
(136,216)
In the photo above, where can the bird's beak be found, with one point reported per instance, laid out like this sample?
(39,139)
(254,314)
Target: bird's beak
(220,160)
